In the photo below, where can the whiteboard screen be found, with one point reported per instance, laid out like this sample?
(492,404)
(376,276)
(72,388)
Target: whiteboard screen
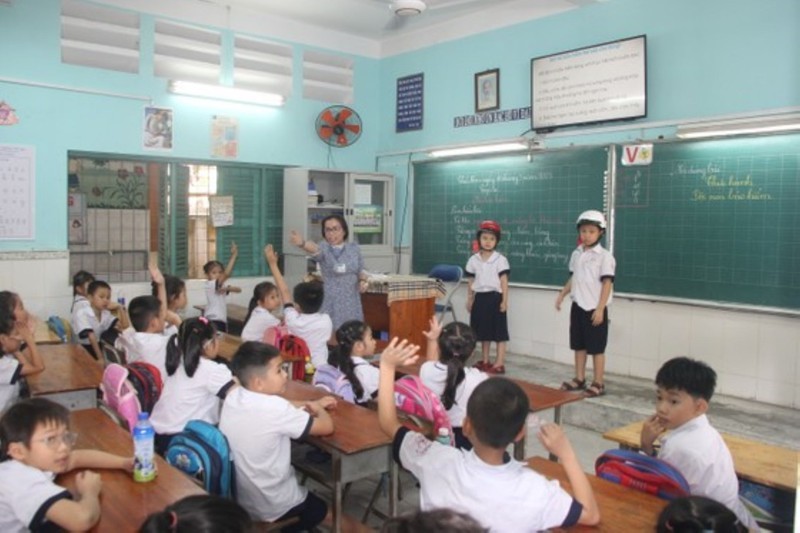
(594,84)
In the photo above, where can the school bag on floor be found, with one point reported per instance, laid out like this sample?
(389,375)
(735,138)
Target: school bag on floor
(642,472)
(416,400)
(119,394)
(202,451)
(333,380)
(146,380)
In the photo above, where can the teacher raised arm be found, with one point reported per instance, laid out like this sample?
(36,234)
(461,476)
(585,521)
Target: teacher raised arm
(342,269)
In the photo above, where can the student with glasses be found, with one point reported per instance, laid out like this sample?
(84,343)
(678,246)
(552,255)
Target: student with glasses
(342,269)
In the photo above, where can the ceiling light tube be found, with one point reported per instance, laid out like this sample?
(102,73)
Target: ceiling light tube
(219,92)
(509,146)
(775,124)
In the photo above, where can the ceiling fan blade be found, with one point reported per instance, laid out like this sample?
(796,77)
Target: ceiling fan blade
(454,3)
(395,23)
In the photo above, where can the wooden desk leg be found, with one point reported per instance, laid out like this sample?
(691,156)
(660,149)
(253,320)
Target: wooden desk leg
(394,482)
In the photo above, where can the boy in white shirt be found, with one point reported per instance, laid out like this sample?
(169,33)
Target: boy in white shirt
(265,480)
(36,446)
(693,446)
(309,324)
(217,310)
(91,322)
(502,496)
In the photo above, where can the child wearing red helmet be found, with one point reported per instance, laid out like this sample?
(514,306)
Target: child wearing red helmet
(487,296)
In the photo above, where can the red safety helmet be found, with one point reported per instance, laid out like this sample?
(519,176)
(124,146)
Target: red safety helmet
(490,226)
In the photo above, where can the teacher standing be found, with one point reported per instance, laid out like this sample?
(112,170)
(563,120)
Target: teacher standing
(342,269)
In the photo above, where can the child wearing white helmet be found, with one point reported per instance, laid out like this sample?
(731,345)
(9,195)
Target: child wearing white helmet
(487,296)
(591,269)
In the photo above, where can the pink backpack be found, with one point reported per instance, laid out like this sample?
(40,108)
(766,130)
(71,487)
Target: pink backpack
(119,393)
(274,334)
(416,400)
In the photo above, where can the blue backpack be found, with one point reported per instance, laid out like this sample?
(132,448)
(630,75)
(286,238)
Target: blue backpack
(56,325)
(642,472)
(202,451)
(333,380)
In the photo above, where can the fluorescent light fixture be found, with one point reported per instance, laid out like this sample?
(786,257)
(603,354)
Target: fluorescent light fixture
(768,124)
(508,146)
(219,92)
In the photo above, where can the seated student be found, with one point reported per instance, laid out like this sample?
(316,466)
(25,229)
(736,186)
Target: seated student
(354,343)
(259,318)
(91,322)
(697,514)
(696,449)
(202,513)
(193,383)
(80,289)
(175,292)
(265,481)
(148,340)
(15,360)
(309,324)
(37,445)
(434,521)
(446,374)
(502,494)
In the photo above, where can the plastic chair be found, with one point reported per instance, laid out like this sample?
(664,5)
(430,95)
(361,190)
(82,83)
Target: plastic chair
(451,275)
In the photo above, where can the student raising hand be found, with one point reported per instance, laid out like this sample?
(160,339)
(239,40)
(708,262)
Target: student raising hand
(399,353)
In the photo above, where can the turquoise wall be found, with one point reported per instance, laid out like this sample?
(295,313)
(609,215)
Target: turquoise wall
(705,58)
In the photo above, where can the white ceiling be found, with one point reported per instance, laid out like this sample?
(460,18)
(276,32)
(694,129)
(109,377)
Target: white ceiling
(375,21)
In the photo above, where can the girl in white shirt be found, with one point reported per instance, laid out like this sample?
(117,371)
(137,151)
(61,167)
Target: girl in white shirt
(355,342)
(445,373)
(80,288)
(175,289)
(265,300)
(194,384)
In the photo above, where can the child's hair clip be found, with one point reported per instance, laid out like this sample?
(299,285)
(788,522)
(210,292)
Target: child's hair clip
(203,319)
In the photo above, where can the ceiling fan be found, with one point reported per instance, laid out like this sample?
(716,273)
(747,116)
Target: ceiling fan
(405,9)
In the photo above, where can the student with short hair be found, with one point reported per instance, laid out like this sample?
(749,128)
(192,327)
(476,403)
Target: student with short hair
(19,357)
(91,322)
(692,445)
(308,323)
(265,480)
(697,514)
(500,493)
(36,446)
(216,291)
(202,513)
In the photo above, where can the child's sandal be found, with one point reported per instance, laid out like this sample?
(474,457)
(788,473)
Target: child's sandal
(574,384)
(596,389)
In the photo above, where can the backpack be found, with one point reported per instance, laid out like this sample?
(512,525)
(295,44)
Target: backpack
(202,451)
(146,381)
(415,399)
(274,334)
(119,394)
(60,328)
(295,350)
(642,472)
(333,380)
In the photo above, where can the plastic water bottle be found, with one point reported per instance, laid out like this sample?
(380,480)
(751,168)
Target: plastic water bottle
(144,467)
(443,436)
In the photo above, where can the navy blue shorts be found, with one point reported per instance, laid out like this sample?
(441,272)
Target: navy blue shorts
(311,512)
(583,335)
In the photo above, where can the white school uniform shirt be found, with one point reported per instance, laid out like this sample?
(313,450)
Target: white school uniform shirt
(187,398)
(434,376)
(260,320)
(503,498)
(589,267)
(10,374)
(147,347)
(368,375)
(314,328)
(79,301)
(85,321)
(697,450)
(26,494)
(216,308)
(266,485)
(486,274)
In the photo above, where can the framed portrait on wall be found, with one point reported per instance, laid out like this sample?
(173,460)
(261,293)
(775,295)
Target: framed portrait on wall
(487,90)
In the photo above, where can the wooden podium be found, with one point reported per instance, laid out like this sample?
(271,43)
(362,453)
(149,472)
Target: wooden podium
(400,306)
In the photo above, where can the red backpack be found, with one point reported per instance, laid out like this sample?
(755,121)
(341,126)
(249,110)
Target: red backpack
(294,350)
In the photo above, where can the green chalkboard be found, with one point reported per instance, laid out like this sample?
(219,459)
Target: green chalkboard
(536,202)
(712,220)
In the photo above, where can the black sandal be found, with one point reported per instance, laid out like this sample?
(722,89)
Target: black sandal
(574,384)
(595,389)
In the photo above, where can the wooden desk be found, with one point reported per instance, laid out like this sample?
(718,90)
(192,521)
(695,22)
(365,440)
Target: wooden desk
(405,319)
(124,503)
(42,334)
(754,461)
(228,344)
(621,508)
(236,316)
(358,446)
(70,377)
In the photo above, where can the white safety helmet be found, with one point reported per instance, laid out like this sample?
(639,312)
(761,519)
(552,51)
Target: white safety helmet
(592,217)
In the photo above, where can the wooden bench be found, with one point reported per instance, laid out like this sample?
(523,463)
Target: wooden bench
(766,464)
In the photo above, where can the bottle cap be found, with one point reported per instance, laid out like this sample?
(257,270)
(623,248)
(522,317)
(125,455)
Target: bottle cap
(444,432)
(144,415)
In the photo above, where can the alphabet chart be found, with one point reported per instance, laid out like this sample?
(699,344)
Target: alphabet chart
(17,174)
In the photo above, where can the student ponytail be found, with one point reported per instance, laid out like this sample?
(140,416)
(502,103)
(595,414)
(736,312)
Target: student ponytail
(347,335)
(259,292)
(456,344)
(188,345)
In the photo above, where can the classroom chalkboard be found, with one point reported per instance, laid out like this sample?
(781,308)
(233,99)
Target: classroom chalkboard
(536,201)
(713,220)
